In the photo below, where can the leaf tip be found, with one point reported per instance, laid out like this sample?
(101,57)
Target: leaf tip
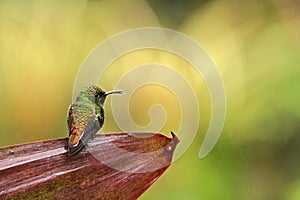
(175,138)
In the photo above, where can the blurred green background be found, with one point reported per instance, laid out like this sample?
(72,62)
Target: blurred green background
(255,45)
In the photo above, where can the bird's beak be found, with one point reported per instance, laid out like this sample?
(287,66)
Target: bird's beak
(114,92)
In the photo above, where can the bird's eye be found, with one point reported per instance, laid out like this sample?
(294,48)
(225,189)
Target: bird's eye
(96,95)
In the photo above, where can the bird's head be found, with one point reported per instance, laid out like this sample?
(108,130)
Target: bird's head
(95,94)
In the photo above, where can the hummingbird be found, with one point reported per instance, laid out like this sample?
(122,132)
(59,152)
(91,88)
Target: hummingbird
(86,116)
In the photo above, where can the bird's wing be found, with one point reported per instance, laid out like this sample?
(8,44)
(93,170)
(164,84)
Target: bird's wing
(79,116)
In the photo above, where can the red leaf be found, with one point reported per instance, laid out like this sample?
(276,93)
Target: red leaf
(112,166)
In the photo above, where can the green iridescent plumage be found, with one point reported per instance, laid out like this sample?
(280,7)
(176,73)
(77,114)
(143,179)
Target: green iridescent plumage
(86,116)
